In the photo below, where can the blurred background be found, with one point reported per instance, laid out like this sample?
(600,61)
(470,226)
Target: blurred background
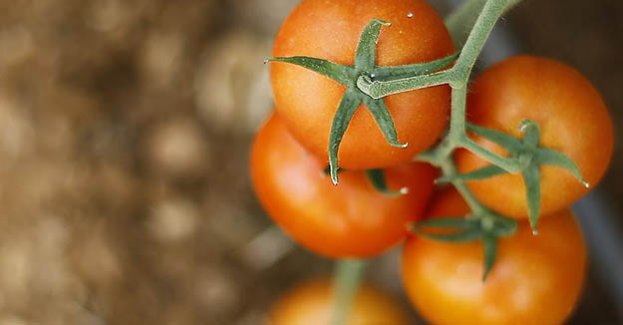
(124,135)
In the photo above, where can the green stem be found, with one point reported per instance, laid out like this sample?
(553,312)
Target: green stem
(463,19)
(449,169)
(457,134)
(490,14)
(379,88)
(350,272)
(509,165)
(458,76)
(348,275)
(458,118)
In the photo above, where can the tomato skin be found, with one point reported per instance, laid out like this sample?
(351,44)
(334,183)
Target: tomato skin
(573,118)
(348,220)
(330,30)
(312,304)
(536,279)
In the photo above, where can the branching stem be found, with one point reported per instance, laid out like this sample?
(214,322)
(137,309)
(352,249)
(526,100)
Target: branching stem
(482,15)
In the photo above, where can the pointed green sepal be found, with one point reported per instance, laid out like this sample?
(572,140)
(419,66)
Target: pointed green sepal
(379,111)
(489,244)
(463,230)
(551,157)
(464,236)
(365,58)
(339,73)
(532,180)
(349,104)
(417,69)
(378,181)
(505,140)
(479,174)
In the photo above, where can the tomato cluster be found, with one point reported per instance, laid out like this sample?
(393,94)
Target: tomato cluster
(535,278)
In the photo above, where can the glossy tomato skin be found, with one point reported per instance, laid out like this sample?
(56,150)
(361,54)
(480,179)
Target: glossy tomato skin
(348,220)
(536,279)
(573,119)
(312,304)
(330,30)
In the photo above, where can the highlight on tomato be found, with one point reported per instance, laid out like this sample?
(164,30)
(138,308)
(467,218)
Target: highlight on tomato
(353,219)
(535,279)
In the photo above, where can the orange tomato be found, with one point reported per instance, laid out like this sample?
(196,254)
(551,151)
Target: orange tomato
(573,120)
(535,280)
(330,30)
(312,304)
(350,220)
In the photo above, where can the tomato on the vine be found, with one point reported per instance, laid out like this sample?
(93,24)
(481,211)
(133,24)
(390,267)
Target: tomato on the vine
(312,303)
(535,279)
(573,120)
(330,30)
(349,220)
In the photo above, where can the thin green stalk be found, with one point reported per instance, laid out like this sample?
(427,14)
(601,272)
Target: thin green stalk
(483,16)
(348,275)
(457,118)
(491,13)
(462,20)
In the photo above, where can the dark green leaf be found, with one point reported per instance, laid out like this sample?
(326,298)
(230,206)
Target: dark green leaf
(365,59)
(505,140)
(479,174)
(489,244)
(377,179)
(388,73)
(349,104)
(532,179)
(551,157)
(384,120)
(342,74)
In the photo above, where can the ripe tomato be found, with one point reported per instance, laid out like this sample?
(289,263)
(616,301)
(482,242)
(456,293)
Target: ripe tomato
(535,280)
(350,220)
(312,304)
(573,120)
(330,30)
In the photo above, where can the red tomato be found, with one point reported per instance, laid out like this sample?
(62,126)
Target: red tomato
(312,304)
(535,280)
(350,220)
(330,30)
(573,120)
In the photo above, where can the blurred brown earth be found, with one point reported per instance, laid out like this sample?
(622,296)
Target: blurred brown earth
(124,134)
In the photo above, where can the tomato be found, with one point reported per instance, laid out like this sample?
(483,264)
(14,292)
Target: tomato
(350,220)
(330,30)
(535,280)
(312,304)
(573,119)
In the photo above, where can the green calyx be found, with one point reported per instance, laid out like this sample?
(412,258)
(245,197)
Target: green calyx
(527,156)
(484,226)
(350,77)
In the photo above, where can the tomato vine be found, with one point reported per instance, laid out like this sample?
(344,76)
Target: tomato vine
(368,84)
